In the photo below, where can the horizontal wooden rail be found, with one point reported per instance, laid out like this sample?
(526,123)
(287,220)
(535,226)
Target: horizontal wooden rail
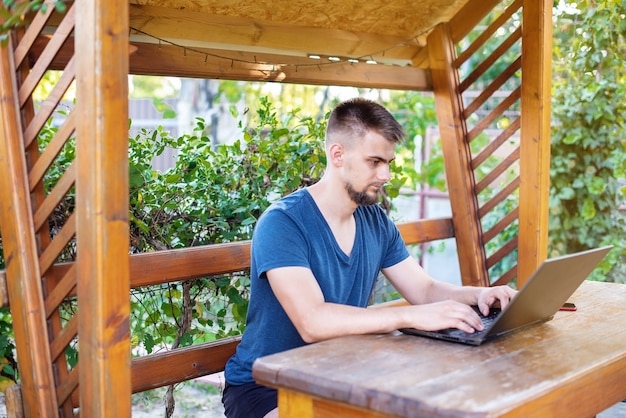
(426,230)
(167,266)
(188,263)
(170,367)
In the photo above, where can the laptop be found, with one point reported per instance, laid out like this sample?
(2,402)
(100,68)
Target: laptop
(540,298)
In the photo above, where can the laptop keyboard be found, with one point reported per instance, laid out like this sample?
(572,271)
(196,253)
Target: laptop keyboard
(487,322)
(489,319)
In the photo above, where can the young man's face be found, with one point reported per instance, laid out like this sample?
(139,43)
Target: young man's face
(367,168)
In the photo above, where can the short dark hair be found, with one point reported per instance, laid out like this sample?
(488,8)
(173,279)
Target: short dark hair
(357,116)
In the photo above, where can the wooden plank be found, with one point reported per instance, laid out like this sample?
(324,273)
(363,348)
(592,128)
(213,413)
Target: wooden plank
(426,230)
(58,193)
(403,375)
(61,34)
(14,403)
(535,136)
(502,252)
(189,263)
(499,197)
(457,158)
(35,27)
(507,220)
(292,404)
(469,16)
(496,172)
(488,33)
(4,296)
(49,106)
(209,260)
(489,61)
(495,113)
(495,144)
(168,60)
(101,36)
(193,29)
(20,253)
(167,368)
(492,88)
(239,65)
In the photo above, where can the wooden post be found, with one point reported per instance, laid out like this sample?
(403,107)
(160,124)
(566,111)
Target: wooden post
(20,254)
(457,157)
(102,208)
(535,136)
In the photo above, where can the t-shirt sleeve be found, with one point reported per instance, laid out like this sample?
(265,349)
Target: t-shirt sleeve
(396,250)
(278,242)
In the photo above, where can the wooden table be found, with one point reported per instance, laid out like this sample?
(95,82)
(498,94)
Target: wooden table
(571,366)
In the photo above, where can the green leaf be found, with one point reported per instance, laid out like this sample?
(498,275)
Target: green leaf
(148,343)
(588,210)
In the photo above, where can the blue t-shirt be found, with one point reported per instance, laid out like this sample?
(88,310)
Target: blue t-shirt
(293,232)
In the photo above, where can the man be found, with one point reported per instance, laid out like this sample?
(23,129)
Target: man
(316,255)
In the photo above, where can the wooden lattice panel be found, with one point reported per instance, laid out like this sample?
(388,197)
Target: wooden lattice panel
(51,192)
(490,85)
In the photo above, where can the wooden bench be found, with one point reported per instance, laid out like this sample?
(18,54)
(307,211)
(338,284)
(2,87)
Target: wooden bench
(146,269)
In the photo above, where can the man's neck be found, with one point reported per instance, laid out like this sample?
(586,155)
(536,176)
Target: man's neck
(334,203)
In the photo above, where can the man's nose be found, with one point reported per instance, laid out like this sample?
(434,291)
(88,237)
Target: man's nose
(384,173)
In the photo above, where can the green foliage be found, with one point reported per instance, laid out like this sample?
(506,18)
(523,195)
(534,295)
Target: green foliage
(213,194)
(8,365)
(588,140)
(13,12)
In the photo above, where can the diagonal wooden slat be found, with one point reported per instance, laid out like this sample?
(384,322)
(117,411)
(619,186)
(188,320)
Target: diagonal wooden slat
(67,387)
(487,33)
(499,197)
(496,143)
(50,104)
(61,291)
(62,340)
(35,27)
(54,198)
(38,70)
(506,277)
(490,60)
(494,114)
(57,245)
(497,171)
(46,159)
(488,92)
(501,225)
(505,250)
(469,16)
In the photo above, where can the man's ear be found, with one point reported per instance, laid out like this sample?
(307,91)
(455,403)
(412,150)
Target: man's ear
(336,153)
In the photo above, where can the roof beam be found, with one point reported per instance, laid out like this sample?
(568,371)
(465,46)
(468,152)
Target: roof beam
(193,29)
(169,60)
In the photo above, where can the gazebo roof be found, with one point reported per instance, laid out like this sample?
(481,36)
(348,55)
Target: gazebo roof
(390,32)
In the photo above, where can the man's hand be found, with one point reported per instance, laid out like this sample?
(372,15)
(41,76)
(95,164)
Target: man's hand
(446,314)
(497,296)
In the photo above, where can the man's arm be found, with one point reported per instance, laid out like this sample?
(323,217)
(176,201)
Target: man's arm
(444,306)
(417,287)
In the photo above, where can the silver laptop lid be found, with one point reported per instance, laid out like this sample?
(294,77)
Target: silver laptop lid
(548,289)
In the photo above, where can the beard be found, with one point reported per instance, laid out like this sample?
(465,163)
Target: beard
(363,198)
